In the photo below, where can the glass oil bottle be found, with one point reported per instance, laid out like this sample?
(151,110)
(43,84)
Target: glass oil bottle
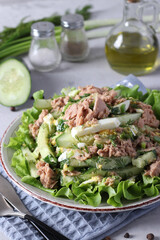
(132,45)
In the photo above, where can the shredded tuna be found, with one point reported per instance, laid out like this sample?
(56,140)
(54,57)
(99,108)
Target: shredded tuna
(84,113)
(109,97)
(48,177)
(144,139)
(92,150)
(70,173)
(124,148)
(109,181)
(148,117)
(59,103)
(100,109)
(97,137)
(79,113)
(119,100)
(34,128)
(92,122)
(119,130)
(158,151)
(127,145)
(149,149)
(71,112)
(83,156)
(154,169)
(89,89)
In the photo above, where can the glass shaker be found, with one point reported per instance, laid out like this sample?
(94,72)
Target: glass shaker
(132,46)
(44,53)
(74,43)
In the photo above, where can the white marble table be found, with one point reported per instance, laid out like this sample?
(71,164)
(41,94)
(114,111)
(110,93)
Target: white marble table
(95,71)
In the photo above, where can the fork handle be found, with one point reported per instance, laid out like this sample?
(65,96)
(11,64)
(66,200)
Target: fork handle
(44,234)
(55,235)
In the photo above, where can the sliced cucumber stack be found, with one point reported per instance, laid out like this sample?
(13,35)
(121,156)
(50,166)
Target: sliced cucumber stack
(15,83)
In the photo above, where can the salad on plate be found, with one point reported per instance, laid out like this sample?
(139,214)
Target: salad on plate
(93,145)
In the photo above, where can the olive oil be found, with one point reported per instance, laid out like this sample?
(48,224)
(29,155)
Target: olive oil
(131,52)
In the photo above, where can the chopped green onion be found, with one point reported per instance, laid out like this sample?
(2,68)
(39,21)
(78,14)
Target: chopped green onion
(143,145)
(157,139)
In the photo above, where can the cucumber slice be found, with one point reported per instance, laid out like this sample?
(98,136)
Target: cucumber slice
(30,161)
(15,83)
(65,140)
(43,144)
(102,163)
(43,104)
(144,159)
(129,171)
(125,173)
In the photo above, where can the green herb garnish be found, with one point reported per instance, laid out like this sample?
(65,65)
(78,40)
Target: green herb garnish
(61,126)
(143,145)
(73,100)
(115,110)
(113,140)
(99,146)
(122,108)
(156,139)
(51,160)
(85,95)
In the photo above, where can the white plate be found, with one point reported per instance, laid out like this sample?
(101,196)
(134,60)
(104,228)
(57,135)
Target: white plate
(46,197)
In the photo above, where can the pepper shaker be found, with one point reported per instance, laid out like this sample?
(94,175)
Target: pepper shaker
(74,43)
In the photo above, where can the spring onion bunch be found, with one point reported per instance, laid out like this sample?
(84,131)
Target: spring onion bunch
(16,41)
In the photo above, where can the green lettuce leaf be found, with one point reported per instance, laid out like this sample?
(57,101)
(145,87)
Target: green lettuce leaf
(64,192)
(23,136)
(19,164)
(130,92)
(154,99)
(86,194)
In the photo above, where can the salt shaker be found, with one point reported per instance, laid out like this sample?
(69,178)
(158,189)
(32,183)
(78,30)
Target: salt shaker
(44,53)
(74,43)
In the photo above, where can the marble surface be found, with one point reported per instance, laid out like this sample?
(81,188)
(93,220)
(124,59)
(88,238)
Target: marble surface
(95,70)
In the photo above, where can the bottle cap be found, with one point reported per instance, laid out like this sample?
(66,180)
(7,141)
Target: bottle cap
(42,29)
(72,21)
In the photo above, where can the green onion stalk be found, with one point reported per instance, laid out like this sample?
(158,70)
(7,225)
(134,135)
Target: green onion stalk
(16,41)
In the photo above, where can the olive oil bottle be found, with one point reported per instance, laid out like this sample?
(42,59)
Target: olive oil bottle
(132,46)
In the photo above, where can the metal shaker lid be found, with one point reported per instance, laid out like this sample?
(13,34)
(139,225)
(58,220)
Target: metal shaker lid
(72,21)
(42,29)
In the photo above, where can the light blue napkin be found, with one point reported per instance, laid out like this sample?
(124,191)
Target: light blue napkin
(72,224)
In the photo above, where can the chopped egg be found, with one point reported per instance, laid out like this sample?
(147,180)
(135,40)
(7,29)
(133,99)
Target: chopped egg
(66,154)
(139,110)
(81,145)
(107,123)
(49,119)
(62,157)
